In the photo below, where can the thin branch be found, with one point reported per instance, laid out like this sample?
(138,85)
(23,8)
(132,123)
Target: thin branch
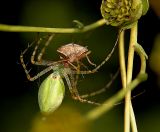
(14,28)
(128,103)
(124,79)
(109,103)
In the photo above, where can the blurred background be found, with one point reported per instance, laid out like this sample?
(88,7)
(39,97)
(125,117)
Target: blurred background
(19,110)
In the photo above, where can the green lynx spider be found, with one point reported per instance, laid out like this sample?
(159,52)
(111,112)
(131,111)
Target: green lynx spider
(51,91)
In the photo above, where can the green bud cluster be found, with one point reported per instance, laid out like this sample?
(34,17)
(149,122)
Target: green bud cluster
(122,12)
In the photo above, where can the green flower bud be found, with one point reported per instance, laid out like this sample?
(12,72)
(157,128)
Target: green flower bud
(122,12)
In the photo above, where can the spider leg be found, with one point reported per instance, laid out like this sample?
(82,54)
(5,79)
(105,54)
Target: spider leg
(27,72)
(74,92)
(35,50)
(102,89)
(77,75)
(75,67)
(40,61)
(29,45)
(81,63)
(25,67)
(44,48)
(103,62)
(39,58)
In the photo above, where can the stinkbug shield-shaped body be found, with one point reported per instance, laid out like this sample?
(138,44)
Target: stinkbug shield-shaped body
(73,52)
(52,89)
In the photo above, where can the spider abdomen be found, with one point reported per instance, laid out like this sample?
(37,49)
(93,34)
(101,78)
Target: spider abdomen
(51,93)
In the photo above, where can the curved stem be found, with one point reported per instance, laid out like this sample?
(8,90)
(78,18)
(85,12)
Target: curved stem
(14,28)
(143,56)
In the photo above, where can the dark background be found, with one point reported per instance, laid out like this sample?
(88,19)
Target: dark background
(18,96)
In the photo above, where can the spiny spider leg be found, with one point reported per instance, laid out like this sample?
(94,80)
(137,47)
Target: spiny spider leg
(78,65)
(74,92)
(77,75)
(75,67)
(23,64)
(132,98)
(36,76)
(81,63)
(39,58)
(34,52)
(25,68)
(103,62)
(45,46)
(102,89)
(29,45)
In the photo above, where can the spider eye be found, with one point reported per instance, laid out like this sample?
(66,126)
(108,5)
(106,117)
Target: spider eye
(51,93)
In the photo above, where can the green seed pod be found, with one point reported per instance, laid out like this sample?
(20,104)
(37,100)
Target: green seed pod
(51,93)
(121,12)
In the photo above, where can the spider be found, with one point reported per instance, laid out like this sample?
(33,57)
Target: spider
(52,89)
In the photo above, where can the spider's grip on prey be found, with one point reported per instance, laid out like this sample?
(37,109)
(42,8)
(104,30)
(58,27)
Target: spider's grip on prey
(69,65)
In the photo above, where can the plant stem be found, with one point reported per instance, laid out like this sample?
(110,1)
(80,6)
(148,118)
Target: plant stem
(109,103)
(14,28)
(133,120)
(122,59)
(129,110)
(123,78)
